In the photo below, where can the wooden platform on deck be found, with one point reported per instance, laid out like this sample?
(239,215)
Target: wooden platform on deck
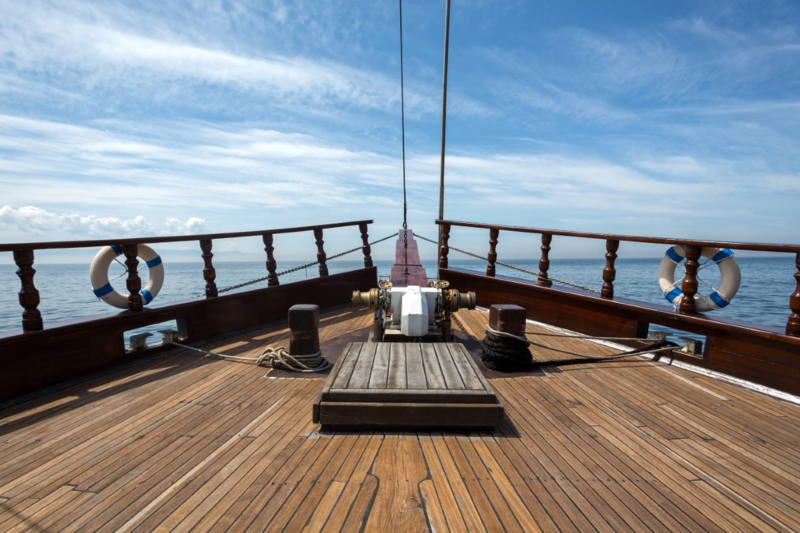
(406,385)
(188,442)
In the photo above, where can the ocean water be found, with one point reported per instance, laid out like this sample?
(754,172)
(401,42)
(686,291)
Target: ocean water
(66,293)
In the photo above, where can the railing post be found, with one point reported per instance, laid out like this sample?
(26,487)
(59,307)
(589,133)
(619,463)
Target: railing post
(609,273)
(365,246)
(272,265)
(28,295)
(493,233)
(209,274)
(323,268)
(689,284)
(444,249)
(793,324)
(544,263)
(134,281)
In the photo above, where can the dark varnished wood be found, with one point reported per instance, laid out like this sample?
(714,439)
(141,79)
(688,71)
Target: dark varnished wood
(272,265)
(759,247)
(28,294)
(742,349)
(175,238)
(365,247)
(209,273)
(544,263)
(793,324)
(490,269)
(134,282)
(304,324)
(609,273)
(416,273)
(321,257)
(71,349)
(444,249)
(508,318)
(689,283)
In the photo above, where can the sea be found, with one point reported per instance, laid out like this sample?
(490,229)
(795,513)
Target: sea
(65,291)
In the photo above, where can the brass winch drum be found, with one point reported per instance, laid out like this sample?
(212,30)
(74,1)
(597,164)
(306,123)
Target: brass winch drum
(366,299)
(462,300)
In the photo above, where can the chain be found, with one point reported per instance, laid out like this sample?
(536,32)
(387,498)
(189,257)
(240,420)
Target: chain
(561,281)
(301,267)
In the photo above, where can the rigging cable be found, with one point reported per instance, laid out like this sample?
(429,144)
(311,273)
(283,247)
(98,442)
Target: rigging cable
(403,130)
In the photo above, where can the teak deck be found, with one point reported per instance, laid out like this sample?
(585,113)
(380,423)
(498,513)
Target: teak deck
(414,385)
(187,442)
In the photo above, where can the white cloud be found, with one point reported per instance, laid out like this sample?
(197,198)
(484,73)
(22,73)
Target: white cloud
(38,221)
(90,51)
(29,219)
(193,226)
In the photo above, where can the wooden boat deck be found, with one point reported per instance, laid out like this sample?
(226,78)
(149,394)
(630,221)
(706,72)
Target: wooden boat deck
(187,442)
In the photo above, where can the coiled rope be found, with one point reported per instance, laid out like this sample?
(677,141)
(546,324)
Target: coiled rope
(505,352)
(561,281)
(275,358)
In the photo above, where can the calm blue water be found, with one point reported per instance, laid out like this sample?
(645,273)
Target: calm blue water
(65,291)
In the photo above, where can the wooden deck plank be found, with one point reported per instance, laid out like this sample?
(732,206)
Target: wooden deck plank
(380,366)
(450,373)
(465,370)
(349,359)
(363,368)
(358,493)
(441,486)
(397,367)
(433,372)
(415,370)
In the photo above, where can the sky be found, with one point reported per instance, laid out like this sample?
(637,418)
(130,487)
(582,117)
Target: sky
(671,119)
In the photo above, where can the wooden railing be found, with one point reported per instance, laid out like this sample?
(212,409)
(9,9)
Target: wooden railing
(692,247)
(29,295)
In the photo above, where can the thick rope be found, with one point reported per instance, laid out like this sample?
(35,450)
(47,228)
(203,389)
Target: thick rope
(508,353)
(561,281)
(275,358)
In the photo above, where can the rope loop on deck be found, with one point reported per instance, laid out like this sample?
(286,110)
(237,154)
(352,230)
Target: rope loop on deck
(274,358)
(504,352)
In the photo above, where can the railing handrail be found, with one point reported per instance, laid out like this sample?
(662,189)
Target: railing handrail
(757,247)
(173,238)
(693,249)
(29,295)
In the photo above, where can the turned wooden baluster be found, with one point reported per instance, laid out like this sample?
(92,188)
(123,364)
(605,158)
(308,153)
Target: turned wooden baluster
(544,263)
(28,295)
(134,283)
(689,284)
(209,274)
(793,324)
(323,268)
(365,246)
(444,249)
(609,273)
(272,265)
(493,233)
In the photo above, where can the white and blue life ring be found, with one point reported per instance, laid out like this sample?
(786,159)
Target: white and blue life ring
(98,273)
(720,297)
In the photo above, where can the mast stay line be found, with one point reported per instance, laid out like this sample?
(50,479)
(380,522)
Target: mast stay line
(403,129)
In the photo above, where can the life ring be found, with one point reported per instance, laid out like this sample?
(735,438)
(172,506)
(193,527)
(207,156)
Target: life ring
(98,273)
(719,298)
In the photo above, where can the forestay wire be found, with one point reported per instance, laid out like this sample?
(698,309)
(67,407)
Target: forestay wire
(403,130)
